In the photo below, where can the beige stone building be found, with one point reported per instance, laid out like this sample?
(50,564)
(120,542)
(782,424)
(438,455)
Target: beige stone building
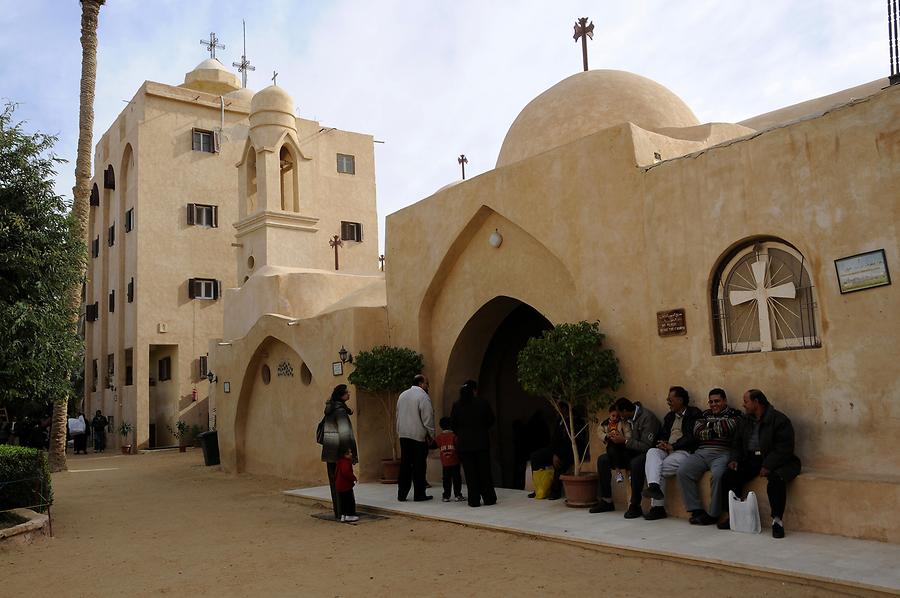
(178,217)
(711,254)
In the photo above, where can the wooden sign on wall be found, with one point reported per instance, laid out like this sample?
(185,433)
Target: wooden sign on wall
(671,322)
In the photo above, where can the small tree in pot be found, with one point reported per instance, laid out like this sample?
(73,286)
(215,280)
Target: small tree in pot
(180,432)
(385,372)
(125,429)
(568,365)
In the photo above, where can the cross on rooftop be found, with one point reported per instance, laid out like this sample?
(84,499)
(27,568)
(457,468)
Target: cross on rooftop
(244,65)
(584,31)
(212,44)
(274,76)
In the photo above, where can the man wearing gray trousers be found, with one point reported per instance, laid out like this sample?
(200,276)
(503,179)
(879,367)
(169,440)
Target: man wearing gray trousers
(713,433)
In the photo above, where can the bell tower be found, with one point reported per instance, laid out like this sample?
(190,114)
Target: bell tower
(271,229)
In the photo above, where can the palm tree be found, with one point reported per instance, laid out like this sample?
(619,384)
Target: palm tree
(90,11)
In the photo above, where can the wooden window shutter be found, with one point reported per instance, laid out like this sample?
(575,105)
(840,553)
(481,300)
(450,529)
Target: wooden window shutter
(217,289)
(192,288)
(95,247)
(345,231)
(95,196)
(190,213)
(215,142)
(195,140)
(111,239)
(358,232)
(112,301)
(109,178)
(131,291)
(215,216)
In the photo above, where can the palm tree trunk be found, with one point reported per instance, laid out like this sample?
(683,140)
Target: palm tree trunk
(90,10)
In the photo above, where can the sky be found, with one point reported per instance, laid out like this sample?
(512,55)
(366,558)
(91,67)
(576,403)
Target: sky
(433,80)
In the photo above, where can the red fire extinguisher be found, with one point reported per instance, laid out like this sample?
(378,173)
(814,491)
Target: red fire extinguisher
(194,395)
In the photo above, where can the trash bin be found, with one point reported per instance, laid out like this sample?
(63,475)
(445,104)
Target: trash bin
(209,441)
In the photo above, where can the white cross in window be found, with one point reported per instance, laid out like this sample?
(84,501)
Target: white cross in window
(762,294)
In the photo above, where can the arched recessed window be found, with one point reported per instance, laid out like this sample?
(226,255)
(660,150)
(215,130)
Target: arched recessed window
(287,167)
(250,192)
(764,300)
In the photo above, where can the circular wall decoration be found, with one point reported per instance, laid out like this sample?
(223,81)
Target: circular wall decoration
(305,375)
(266,374)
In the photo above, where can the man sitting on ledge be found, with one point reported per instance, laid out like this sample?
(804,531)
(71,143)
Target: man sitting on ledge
(714,432)
(763,446)
(644,428)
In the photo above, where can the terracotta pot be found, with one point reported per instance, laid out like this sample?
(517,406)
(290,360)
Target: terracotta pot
(126,449)
(581,490)
(390,471)
(182,448)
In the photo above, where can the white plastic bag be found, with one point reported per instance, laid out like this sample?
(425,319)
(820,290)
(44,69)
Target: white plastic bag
(744,514)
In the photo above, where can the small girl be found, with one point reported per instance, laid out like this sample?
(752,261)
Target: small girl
(344,481)
(613,425)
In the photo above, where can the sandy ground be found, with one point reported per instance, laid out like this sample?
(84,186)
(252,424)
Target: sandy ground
(157,524)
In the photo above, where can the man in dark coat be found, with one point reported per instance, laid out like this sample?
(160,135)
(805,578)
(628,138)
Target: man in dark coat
(763,446)
(337,437)
(644,430)
(472,419)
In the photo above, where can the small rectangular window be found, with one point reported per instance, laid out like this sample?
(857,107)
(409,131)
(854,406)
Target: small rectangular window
(129,220)
(112,301)
(130,291)
(94,375)
(91,312)
(203,215)
(203,288)
(203,365)
(165,369)
(110,368)
(346,164)
(95,247)
(109,178)
(351,231)
(111,235)
(129,367)
(203,141)
(95,196)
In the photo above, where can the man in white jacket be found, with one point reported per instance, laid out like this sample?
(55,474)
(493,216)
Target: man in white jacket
(415,427)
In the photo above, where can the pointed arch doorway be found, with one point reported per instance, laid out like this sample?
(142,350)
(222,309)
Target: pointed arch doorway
(486,350)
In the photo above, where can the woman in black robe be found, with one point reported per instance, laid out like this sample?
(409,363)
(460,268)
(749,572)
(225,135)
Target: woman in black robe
(472,420)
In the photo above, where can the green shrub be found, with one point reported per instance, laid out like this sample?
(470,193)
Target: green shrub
(24,479)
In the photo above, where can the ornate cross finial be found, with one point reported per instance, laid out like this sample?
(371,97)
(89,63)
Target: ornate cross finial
(244,65)
(584,31)
(335,242)
(274,76)
(462,162)
(212,44)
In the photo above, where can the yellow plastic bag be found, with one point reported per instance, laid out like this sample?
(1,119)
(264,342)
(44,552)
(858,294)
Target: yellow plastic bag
(543,480)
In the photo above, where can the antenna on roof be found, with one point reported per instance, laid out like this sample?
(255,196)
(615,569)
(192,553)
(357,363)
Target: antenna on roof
(893,7)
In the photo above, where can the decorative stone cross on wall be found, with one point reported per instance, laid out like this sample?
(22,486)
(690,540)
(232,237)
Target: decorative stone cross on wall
(763,294)
(336,242)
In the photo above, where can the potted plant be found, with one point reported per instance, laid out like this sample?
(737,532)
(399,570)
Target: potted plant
(180,432)
(568,365)
(385,372)
(125,429)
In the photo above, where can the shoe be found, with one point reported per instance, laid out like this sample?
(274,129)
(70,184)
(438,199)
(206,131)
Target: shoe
(446,499)
(726,524)
(653,491)
(702,518)
(777,530)
(489,503)
(422,498)
(619,477)
(656,513)
(531,495)
(634,511)
(602,507)
(401,498)
(554,496)
(460,498)
(349,518)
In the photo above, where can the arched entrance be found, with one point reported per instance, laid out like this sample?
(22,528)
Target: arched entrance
(487,349)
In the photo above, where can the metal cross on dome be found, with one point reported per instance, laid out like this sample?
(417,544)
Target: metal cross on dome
(764,294)
(212,44)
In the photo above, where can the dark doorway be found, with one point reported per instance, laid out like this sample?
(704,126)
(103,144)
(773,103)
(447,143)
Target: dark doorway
(523,420)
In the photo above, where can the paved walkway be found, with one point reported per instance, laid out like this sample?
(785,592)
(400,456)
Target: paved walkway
(832,559)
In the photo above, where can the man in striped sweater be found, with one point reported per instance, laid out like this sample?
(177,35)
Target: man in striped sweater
(713,434)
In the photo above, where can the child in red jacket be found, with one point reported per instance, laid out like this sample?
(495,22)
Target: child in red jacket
(446,442)
(343,484)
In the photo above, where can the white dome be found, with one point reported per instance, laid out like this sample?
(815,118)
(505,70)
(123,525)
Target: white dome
(211,76)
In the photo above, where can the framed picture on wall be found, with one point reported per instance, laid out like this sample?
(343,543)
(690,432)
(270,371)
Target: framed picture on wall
(337,368)
(862,271)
